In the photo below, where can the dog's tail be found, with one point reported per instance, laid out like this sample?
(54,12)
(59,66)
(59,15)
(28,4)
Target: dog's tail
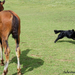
(57,31)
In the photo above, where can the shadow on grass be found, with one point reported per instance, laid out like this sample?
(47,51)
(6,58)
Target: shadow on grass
(28,63)
(69,72)
(73,42)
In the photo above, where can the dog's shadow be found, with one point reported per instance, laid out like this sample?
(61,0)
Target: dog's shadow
(28,63)
(69,72)
(70,41)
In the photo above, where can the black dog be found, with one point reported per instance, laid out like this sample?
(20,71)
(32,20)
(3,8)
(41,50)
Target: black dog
(68,34)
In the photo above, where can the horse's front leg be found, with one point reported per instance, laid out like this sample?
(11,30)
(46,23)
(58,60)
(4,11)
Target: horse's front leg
(1,54)
(6,52)
(18,56)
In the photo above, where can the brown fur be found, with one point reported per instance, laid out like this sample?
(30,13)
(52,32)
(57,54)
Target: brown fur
(9,24)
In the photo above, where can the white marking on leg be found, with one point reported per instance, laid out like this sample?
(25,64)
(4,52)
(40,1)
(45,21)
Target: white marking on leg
(18,66)
(18,60)
(6,66)
(1,55)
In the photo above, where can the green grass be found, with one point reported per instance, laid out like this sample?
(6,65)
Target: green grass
(39,54)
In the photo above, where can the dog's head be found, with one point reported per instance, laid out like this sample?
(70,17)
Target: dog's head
(73,34)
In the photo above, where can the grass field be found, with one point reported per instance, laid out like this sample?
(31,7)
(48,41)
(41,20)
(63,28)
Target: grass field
(39,54)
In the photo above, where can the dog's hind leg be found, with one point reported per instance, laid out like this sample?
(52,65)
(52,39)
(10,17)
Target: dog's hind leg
(60,36)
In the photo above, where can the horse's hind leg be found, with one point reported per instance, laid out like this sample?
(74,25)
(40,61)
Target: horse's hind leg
(18,55)
(6,52)
(1,52)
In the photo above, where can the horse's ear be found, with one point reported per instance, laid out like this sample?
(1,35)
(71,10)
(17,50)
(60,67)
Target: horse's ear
(3,2)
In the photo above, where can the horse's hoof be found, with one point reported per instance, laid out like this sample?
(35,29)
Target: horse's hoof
(2,64)
(3,74)
(19,74)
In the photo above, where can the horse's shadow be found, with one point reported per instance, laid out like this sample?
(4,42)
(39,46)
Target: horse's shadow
(28,63)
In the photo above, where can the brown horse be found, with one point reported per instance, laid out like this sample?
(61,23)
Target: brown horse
(9,24)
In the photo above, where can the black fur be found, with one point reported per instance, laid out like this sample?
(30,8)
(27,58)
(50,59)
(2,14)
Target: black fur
(15,24)
(62,34)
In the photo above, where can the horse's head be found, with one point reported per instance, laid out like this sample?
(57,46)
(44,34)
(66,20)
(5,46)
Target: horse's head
(1,5)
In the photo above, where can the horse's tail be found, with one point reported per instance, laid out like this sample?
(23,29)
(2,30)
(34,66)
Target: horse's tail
(57,31)
(15,26)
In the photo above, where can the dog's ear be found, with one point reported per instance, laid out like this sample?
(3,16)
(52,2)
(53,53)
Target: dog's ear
(73,30)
